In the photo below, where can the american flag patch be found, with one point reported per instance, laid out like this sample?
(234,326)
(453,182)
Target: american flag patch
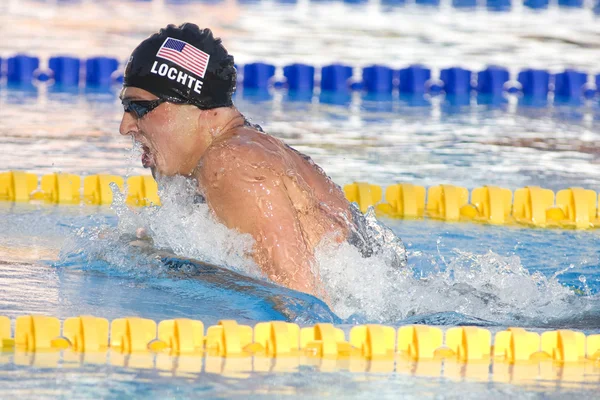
(185,55)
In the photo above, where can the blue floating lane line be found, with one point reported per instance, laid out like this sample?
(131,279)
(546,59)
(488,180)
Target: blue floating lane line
(492,80)
(534,83)
(457,81)
(66,70)
(258,75)
(300,77)
(335,78)
(378,79)
(99,70)
(570,84)
(414,79)
(21,69)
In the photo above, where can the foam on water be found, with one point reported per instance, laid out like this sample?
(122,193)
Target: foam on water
(489,287)
(186,227)
(486,286)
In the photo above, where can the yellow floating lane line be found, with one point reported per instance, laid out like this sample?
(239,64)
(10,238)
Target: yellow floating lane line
(572,208)
(184,346)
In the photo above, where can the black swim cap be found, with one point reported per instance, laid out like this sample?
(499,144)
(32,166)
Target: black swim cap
(185,65)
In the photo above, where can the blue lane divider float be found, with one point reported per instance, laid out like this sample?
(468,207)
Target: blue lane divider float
(569,84)
(336,78)
(491,5)
(499,5)
(300,81)
(391,4)
(300,77)
(258,75)
(66,70)
(534,83)
(570,3)
(457,81)
(430,3)
(379,82)
(536,4)
(336,84)
(99,71)
(492,81)
(414,79)
(464,4)
(21,69)
(378,79)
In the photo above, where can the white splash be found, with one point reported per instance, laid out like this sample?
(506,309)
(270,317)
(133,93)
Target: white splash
(186,227)
(487,286)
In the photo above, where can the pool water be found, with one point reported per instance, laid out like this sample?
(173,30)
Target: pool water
(70,260)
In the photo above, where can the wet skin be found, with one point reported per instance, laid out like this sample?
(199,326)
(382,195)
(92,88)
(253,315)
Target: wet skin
(252,182)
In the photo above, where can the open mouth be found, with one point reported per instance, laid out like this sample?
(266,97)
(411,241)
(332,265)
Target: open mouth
(147,157)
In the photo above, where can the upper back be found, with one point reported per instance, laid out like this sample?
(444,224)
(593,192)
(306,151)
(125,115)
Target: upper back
(246,151)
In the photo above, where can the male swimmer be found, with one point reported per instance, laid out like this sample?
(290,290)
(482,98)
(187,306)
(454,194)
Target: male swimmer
(176,95)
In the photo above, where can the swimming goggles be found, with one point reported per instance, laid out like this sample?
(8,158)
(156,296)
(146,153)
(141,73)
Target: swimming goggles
(141,107)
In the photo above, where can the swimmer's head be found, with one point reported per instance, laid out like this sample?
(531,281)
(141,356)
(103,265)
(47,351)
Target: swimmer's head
(176,93)
(183,64)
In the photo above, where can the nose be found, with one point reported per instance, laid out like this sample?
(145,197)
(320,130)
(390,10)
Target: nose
(128,124)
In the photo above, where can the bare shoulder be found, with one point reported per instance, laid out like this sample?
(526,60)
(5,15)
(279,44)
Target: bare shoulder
(240,154)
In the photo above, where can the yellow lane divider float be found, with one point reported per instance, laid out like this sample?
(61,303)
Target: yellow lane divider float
(532,205)
(183,345)
(57,188)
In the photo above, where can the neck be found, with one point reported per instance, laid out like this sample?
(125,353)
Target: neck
(214,124)
(220,121)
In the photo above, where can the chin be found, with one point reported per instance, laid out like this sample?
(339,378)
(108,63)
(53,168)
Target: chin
(157,171)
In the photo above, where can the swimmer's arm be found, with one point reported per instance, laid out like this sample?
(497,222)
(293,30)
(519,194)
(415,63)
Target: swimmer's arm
(253,200)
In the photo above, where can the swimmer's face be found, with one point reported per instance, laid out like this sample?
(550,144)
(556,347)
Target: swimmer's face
(167,134)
